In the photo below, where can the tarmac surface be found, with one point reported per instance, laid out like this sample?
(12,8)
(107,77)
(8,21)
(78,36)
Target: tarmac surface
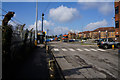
(86,61)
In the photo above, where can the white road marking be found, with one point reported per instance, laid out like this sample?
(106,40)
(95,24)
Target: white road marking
(64,49)
(93,49)
(71,49)
(86,50)
(55,49)
(79,49)
(101,50)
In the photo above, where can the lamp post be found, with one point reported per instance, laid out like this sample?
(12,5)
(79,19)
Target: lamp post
(99,34)
(36,23)
(42,26)
(106,33)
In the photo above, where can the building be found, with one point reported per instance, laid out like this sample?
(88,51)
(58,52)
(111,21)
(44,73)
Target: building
(71,35)
(86,34)
(117,20)
(80,35)
(103,32)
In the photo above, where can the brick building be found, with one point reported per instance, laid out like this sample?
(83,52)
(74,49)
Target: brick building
(71,35)
(80,35)
(103,32)
(86,34)
(117,20)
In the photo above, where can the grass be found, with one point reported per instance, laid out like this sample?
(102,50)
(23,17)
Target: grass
(81,43)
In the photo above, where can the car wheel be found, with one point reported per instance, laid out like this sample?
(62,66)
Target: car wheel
(105,46)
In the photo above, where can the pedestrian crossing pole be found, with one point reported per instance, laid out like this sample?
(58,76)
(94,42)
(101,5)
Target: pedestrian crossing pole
(36,23)
(42,26)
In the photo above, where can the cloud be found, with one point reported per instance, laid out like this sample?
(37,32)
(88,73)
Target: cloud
(46,25)
(74,31)
(103,7)
(12,23)
(63,13)
(14,15)
(60,30)
(92,26)
(106,9)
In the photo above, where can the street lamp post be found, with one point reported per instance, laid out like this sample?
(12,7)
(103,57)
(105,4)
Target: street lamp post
(99,35)
(106,34)
(36,23)
(42,25)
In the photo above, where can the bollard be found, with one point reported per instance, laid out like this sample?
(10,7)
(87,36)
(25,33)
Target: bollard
(35,42)
(51,68)
(47,48)
(113,47)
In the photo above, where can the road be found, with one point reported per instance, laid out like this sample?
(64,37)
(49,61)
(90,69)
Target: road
(85,61)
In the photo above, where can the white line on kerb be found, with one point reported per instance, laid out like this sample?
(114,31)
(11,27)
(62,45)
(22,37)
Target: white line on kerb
(64,49)
(56,49)
(101,50)
(79,49)
(86,49)
(71,49)
(93,49)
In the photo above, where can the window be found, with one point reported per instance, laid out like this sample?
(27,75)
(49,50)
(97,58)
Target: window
(117,10)
(104,40)
(117,35)
(110,40)
(116,24)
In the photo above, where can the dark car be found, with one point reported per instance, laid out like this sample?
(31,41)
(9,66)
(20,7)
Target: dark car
(107,43)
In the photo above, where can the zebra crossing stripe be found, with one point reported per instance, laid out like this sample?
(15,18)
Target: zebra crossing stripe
(79,49)
(93,49)
(71,49)
(86,49)
(64,49)
(56,49)
(101,50)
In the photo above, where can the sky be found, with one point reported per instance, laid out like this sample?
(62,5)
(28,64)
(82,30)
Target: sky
(61,17)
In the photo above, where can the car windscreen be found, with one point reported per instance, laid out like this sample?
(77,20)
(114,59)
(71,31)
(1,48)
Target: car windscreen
(104,40)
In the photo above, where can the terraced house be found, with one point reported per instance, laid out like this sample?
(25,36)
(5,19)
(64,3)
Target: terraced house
(99,33)
(103,32)
(71,35)
(117,20)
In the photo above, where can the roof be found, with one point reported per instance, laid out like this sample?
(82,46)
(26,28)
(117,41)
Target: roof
(104,29)
(71,33)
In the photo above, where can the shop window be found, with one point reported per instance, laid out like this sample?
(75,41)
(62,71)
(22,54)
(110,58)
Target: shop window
(116,24)
(117,10)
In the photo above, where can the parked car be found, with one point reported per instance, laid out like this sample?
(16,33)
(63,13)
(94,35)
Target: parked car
(107,43)
(72,40)
(97,40)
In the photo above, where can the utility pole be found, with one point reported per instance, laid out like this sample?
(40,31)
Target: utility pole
(42,25)
(36,23)
(47,33)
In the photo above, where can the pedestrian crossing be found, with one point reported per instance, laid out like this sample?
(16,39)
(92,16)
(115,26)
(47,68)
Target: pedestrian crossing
(78,49)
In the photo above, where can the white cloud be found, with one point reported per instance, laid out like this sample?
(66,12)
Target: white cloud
(14,15)
(60,30)
(106,9)
(74,31)
(12,23)
(92,26)
(103,7)
(46,25)
(63,13)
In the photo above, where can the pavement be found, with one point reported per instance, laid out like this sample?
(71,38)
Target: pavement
(80,61)
(34,68)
